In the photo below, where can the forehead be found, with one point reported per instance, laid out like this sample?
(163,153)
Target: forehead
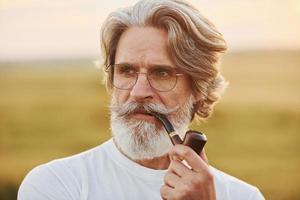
(143,46)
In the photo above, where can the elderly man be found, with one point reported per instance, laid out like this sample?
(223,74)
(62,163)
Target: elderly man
(160,56)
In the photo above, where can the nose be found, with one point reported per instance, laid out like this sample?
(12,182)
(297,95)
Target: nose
(142,90)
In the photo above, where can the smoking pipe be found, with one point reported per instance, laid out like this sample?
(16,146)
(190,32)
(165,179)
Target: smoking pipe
(194,139)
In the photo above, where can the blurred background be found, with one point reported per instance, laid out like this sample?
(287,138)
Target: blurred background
(53,103)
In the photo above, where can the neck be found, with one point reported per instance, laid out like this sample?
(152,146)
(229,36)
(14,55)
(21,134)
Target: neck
(158,163)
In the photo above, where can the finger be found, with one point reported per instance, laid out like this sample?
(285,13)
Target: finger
(190,156)
(171,179)
(179,168)
(166,192)
(203,155)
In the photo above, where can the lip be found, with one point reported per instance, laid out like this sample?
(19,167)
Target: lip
(144,116)
(140,115)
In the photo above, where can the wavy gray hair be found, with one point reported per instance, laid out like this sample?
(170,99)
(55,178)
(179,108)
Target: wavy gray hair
(193,43)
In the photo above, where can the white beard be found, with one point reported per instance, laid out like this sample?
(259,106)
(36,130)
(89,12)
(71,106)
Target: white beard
(141,139)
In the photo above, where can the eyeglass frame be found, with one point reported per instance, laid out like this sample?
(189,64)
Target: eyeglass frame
(111,66)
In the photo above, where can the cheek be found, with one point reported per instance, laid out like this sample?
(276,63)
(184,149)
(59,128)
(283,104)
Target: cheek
(167,99)
(172,99)
(120,96)
(180,94)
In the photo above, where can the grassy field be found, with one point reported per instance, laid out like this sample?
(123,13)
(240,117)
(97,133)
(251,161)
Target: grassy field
(54,109)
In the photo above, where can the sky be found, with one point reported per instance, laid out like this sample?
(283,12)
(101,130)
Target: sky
(56,29)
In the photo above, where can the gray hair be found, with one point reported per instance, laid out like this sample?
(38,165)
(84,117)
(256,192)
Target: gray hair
(193,44)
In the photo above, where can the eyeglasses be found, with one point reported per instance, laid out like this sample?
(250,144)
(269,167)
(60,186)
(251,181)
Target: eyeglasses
(160,78)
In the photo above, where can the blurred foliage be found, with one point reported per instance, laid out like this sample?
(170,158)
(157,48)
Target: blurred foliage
(53,109)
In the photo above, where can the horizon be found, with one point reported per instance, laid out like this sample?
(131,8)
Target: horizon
(98,59)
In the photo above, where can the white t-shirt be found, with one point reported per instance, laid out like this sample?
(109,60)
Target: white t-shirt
(103,173)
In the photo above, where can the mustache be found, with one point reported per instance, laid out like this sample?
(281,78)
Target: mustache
(135,107)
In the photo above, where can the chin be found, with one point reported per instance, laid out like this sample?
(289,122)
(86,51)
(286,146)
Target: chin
(140,139)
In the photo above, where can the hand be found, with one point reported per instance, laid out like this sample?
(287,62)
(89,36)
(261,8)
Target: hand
(190,183)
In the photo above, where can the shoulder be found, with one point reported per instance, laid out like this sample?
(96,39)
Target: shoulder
(63,178)
(229,187)
(46,182)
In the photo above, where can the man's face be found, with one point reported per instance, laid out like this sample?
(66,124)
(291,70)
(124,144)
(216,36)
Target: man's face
(143,48)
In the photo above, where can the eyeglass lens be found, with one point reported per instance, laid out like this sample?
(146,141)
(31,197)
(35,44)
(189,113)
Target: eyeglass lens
(160,78)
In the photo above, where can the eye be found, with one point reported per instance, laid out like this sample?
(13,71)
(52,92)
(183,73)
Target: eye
(162,73)
(125,70)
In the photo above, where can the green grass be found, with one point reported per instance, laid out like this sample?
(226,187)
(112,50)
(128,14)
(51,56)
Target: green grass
(53,109)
